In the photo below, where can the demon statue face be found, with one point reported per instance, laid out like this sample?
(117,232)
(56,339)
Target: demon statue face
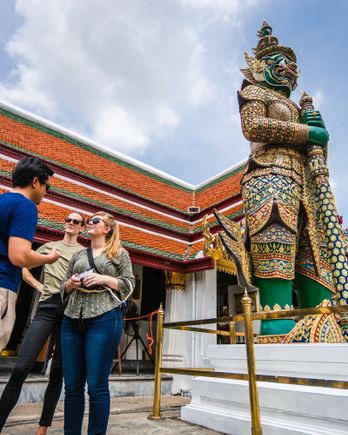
(280,72)
(273,66)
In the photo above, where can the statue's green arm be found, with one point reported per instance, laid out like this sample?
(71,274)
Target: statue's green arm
(257,127)
(318,135)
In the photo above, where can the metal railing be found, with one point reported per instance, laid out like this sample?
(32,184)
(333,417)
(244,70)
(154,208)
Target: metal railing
(247,317)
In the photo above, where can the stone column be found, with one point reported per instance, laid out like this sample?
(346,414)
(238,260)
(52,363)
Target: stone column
(176,310)
(196,301)
(205,303)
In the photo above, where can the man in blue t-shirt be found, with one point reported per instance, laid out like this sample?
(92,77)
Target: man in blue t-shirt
(18,218)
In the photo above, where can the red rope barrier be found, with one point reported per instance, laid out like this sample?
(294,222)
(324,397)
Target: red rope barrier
(149,337)
(142,317)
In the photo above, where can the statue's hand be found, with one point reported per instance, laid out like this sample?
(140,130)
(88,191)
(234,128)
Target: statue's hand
(318,136)
(313,118)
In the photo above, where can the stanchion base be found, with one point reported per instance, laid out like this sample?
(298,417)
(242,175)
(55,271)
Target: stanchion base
(151,417)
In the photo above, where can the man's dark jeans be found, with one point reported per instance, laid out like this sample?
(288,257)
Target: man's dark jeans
(47,320)
(88,348)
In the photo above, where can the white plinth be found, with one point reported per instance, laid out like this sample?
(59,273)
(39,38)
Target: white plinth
(223,405)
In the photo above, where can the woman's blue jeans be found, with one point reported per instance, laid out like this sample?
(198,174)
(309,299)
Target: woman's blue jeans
(88,348)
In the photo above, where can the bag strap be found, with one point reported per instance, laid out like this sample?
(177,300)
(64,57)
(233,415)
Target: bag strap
(91,261)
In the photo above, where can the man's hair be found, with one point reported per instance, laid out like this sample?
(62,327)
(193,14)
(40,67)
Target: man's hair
(83,220)
(27,169)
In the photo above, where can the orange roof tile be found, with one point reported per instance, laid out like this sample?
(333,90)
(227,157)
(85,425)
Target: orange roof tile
(20,133)
(220,191)
(105,200)
(58,150)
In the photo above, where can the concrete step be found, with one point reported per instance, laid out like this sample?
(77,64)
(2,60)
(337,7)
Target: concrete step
(120,386)
(128,366)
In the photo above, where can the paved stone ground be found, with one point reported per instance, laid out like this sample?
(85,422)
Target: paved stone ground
(128,415)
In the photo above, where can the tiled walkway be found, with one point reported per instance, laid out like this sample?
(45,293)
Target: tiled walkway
(128,416)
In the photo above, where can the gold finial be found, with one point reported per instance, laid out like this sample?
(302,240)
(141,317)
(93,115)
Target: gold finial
(246,299)
(306,102)
(305,98)
(265,30)
(268,44)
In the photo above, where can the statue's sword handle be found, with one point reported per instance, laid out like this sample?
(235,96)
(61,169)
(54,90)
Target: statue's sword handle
(317,160)
(333,230)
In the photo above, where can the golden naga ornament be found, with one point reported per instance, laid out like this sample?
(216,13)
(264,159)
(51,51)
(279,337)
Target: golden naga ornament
(214,248)
(233,240)
(256,67)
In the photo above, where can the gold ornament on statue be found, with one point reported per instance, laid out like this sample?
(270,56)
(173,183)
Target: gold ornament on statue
(233,241)
(213,248)
(256,67)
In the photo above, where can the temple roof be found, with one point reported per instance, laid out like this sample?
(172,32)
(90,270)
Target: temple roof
(150,205)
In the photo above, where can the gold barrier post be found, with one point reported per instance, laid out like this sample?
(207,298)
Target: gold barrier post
(232,326)
(256,428)
(156,412)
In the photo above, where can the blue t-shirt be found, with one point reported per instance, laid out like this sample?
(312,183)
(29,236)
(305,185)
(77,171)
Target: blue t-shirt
(18,218)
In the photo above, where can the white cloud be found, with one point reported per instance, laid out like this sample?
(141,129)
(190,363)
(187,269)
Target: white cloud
(123,69)
(218,8)
(123,73)
(223,8)
(115,125)
(167,117)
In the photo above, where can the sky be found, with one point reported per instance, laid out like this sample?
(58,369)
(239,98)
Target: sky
(157,79)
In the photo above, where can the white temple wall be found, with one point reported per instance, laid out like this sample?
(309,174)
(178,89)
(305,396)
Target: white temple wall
(197,301)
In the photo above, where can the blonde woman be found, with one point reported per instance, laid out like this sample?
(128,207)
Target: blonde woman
(97,281)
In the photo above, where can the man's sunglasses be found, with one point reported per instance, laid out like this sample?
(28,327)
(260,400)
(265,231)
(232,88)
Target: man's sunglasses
(74,221)
(95,221)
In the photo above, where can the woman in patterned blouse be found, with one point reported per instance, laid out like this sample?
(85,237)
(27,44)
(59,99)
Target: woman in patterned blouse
(92,323)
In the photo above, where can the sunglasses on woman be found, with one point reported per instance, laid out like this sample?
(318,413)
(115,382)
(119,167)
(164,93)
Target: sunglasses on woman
(74,221)
(95,220)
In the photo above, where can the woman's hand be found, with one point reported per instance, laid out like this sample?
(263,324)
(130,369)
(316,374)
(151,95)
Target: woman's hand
(103,280)
(93,279)
(73,282)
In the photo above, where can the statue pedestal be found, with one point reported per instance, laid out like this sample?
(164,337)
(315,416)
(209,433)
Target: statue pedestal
(223,405)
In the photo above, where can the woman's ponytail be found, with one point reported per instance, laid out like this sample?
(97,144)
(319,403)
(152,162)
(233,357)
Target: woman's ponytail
(113,245)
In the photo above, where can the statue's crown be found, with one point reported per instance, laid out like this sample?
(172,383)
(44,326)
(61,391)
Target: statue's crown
(268,44)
